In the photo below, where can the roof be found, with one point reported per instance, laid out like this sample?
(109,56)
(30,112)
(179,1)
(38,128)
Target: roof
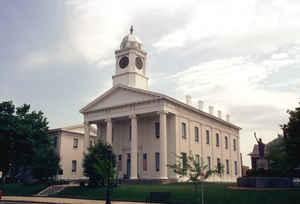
(157,96)
(78,129)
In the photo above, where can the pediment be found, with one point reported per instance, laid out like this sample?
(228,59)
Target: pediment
(118,96)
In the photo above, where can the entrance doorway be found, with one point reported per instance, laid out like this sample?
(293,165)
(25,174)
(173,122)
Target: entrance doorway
(128,165)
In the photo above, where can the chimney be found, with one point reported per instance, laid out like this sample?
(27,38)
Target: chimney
(228,118)
(188,100)
(211,110)
(219,114)
(200,105)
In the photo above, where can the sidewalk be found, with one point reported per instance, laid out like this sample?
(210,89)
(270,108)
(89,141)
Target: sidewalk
(60,200)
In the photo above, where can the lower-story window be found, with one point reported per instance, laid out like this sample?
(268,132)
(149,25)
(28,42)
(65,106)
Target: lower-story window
(209,163)
(157,161)
(235,168)
(74,165)
(227,166)
(145,161)
(120,162)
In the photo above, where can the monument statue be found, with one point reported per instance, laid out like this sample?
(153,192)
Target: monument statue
(261,147)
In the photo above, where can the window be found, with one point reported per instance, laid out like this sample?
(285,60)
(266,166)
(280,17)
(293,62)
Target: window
(157,161)
(235,168)
(120,162)
(183,125)
(207,136)
(145,161)
(197,158)
(75,142)
(112,134)
(129,132)
(226,142)
(217,140)
(196,134)
(227,166)
(209,163)
(184,160)
(234,145)
(157,129)
(74,166)
(218,165)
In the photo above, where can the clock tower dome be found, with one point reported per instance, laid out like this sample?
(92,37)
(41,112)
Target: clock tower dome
(131,63)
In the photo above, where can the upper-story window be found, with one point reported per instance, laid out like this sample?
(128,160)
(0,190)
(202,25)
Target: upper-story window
(209,163)
(75,142)
(226,142)
(196,134)
(157,129)
(234,144)
(217,140)
(183,126)
(207,136)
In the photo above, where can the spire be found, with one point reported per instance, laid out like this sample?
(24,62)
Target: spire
(131,29)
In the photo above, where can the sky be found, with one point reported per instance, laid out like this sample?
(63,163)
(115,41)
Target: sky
(242,57)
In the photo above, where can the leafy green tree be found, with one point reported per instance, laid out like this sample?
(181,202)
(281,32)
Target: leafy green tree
(25,142)
(189,168)
(7,129)
(291,132)
(100,165)
(277,157)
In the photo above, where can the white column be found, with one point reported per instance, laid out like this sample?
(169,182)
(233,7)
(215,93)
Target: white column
(86,140)
(108,131)
(134,147)
(239,167)
(163,145)
(98,131)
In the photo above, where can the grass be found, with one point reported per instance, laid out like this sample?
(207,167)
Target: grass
(19,189)
(183,193)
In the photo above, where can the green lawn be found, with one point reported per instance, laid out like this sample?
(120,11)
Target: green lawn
(19,189)
(183,193)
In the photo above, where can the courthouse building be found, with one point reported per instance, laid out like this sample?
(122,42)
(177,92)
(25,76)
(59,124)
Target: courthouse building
(147,129)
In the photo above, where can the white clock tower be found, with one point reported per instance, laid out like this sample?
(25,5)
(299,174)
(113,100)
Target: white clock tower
(131,63)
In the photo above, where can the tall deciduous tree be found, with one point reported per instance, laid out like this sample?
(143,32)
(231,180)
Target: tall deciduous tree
(194,171)
(291,132)
(26,142)
(100,165)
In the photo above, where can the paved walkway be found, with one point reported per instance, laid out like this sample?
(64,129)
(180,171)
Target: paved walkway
(59,200)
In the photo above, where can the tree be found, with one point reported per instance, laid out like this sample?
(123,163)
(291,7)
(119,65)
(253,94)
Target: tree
(194,171)
(25,142)
(100,165)
(291,132)
(277,157)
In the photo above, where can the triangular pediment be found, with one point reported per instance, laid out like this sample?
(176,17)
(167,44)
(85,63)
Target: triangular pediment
(117,96)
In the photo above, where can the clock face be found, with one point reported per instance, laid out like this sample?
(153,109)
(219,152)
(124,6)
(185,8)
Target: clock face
(139,62)
(123,62)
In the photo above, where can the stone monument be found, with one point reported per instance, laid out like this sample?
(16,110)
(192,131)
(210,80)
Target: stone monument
(262,163)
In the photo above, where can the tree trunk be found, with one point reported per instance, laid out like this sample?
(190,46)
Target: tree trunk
(108,188)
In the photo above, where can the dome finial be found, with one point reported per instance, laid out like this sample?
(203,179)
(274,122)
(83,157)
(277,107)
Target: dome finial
(131,29)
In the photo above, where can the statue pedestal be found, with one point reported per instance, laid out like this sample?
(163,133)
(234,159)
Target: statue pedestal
(262,164)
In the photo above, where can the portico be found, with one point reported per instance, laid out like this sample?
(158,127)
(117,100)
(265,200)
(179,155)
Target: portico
(133,121)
